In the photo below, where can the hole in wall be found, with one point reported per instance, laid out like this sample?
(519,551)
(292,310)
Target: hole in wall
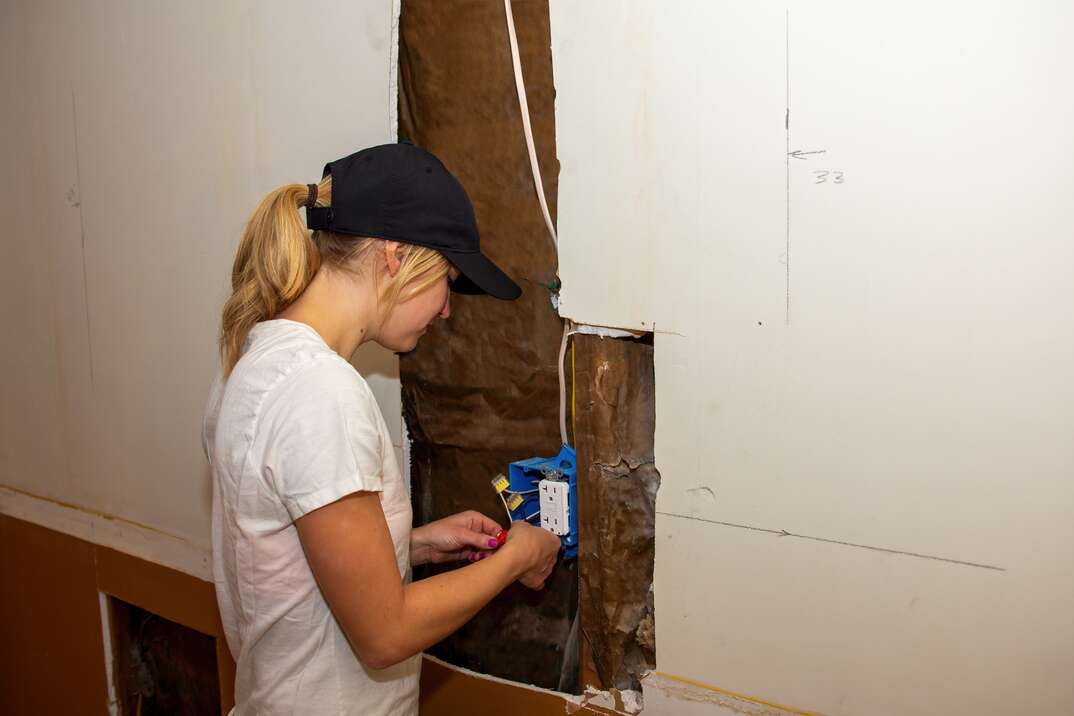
(160,666)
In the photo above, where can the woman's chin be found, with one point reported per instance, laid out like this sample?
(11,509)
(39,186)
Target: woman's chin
(403,346)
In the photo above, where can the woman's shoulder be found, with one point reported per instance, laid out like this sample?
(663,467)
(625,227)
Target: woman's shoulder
(288,363)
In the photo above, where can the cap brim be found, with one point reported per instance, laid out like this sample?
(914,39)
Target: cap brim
(478,275)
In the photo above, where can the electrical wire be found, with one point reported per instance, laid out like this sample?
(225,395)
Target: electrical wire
(538,185)
(506,509)
(568,327)
(574,393)
(523,106)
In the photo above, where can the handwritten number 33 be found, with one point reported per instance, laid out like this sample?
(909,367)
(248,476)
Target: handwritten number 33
(821,177)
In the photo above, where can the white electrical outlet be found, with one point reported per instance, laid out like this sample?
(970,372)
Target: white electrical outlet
(555,506)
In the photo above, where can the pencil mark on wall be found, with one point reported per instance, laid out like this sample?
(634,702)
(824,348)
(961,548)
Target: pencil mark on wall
(785,533)
(822,176)
(801,154)
(787,127)
(77,191)
(702,493)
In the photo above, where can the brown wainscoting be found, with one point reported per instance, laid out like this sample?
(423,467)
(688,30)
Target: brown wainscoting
(52,654)
(51,640)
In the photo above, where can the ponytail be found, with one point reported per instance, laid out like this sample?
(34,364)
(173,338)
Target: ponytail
(277,258)
(275,261)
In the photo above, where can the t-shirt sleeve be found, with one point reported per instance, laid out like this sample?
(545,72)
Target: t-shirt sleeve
(322,440)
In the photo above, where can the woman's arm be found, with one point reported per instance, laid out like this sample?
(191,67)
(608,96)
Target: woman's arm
(350,551)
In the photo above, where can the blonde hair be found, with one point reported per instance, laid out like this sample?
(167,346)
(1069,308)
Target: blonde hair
(278,257)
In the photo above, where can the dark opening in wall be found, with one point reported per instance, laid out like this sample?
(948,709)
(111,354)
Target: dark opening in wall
(161,667)
(482,389)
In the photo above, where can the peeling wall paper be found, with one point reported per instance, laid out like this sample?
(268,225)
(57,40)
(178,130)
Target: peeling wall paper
(617,484)
(481,389)
(612,701)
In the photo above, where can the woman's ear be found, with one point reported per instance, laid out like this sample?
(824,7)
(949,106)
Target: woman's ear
(392,249)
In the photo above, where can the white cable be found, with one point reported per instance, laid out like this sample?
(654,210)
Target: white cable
(568,330)
(506,509)
(535,169)
(523,106)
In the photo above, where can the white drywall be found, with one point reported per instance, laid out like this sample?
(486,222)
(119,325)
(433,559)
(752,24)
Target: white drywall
(906,386)
(137,137)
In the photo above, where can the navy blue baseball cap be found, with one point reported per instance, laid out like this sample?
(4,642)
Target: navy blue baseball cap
(401,192)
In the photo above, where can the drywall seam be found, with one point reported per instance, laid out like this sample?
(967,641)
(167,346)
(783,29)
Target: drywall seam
(108,530)
(77,202)
(874,548)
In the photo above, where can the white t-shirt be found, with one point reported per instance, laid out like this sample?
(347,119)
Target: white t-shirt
(294,428)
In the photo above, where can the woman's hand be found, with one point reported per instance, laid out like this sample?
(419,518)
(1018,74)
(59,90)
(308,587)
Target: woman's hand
(466,535)
(536,549)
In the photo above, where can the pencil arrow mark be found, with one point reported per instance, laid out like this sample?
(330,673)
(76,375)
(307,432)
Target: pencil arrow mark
(799,154)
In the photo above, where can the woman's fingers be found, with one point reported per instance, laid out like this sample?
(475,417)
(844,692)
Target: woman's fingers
(535,579)
(477,540)
(481,523)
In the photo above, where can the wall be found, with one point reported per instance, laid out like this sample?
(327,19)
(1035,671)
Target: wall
(864,396)
(56,621)
(137,139)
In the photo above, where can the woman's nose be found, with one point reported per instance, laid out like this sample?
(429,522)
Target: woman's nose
(446,310)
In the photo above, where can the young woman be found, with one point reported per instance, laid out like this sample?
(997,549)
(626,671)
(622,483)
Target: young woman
(312,536)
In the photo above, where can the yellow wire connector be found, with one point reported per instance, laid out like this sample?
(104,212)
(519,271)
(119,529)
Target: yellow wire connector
(514,502)
(500,483)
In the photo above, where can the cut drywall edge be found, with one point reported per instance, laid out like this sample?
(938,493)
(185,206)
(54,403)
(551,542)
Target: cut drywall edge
(614,701)
(606,331)
(626,329)
(110,531)
(109,657)
(393,72)
(627,703)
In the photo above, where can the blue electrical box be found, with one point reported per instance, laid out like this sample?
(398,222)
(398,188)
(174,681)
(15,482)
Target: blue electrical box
(548,488)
